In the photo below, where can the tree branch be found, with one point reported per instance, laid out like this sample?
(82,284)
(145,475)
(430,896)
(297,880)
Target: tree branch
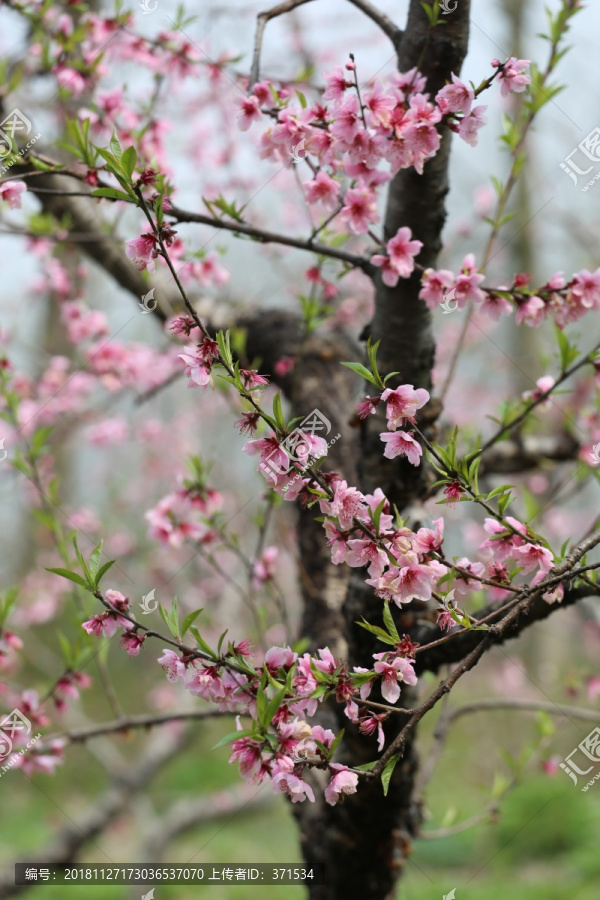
(129,722)
(272,237)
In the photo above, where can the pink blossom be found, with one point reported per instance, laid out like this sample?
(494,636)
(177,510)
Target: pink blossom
(70,79)
(262,92)
(427,541)
(444,620)
(366,553)
(173,521)
(467,283)
(172,664)
(248,422)
(181,325)
(83,323)
(196,369)
(109,431)
(343,782)
(593,688)
(513,77)
(400,443)
(208,272)
(532,312)
(462,583)
(401,251)
(371,723)
(249,112)
(380,106)
(434,286)
(296,789)
(415,581)
(367,406)
(264,567)
(274,460)
(133,642)
(455,97)
(11,192)
(347,504)
(105,624)
(322,189)
(495,306)
(142,252)
(393,671)
(336,84)
(586,288)
(248,754)
(402,404)
(304,680)
(469,125)
(360,210)
(530,556)
(251,378)
(554,594)
(543,384)
(279,657)
(337,541)
(347,122)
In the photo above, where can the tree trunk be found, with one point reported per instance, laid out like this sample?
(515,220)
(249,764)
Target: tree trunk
(363,843)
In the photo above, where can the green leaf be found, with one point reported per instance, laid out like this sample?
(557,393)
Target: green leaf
(189,620)
(102,570)
(386,775)
(273,705)
(115,146)
(94,563)
(568,352)
(221,639)
(379,632)
(171,618)
(389,622)
(278,412)
(82,562)
(65,646)
(336,743)
(261,705)
(366,767)
(72,576)
(113,194)
(233,736)
(202,643)
(362,371)
(129,160)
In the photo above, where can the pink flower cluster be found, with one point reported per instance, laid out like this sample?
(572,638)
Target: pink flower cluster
(564,302)
(185,515)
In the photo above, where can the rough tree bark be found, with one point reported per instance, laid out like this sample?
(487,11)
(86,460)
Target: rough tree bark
(364,842)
